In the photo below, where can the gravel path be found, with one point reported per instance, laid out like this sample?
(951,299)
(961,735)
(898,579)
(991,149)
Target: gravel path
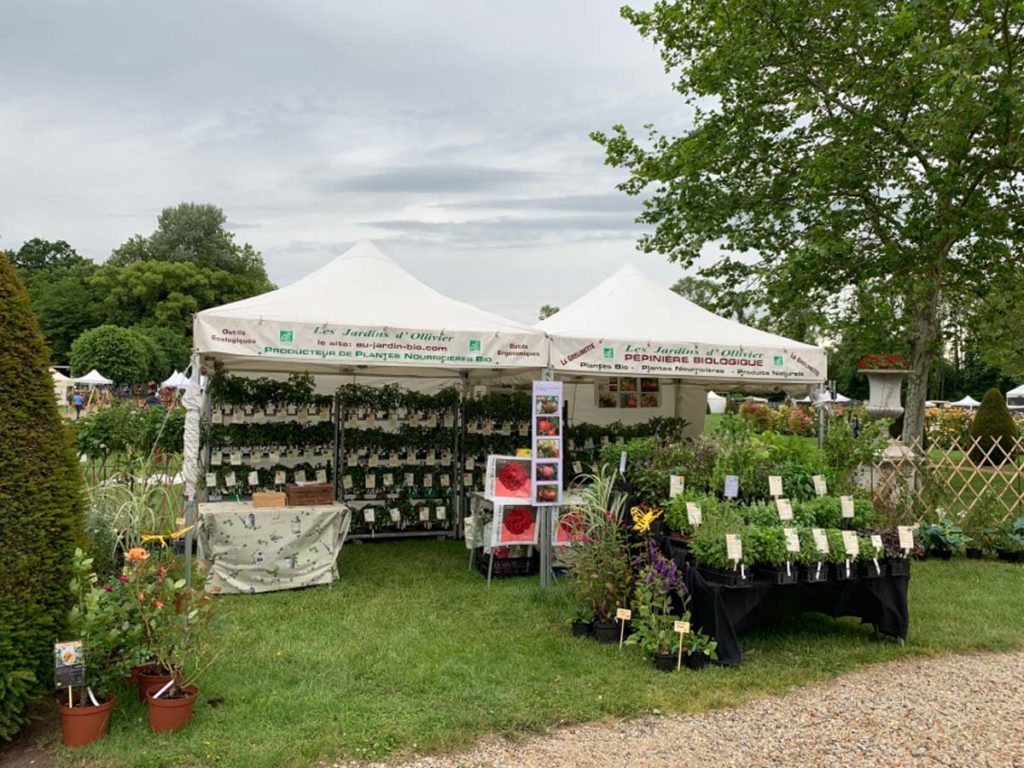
(947,711)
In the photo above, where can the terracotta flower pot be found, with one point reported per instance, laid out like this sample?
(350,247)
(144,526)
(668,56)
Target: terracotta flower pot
(170,714)
(147,679)
(84,725)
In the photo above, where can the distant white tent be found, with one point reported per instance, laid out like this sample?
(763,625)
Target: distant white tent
(716,403)
(1015,397)
(176,380)
(60,386)
(94,379)
(966,402)
(827,398)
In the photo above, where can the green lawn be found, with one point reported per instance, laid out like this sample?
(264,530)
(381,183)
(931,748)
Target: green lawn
(410,652)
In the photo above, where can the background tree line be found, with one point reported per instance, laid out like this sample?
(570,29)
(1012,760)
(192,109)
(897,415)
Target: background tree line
(131,316)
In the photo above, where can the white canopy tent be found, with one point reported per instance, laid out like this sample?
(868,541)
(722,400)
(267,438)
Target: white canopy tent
(716,402)
(631,325)
(176,380)
(825,397)
(94,379)
(60,386)
(966,402)
(1015,397)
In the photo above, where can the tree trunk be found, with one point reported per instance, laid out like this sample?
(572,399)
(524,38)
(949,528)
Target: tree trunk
(924,334)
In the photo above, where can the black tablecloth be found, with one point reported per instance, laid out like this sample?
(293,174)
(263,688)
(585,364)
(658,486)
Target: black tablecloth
(726,613)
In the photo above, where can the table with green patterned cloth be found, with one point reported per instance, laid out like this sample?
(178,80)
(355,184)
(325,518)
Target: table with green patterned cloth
(249,549)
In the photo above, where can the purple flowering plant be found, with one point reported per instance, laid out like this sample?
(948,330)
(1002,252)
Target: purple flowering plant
(658,579)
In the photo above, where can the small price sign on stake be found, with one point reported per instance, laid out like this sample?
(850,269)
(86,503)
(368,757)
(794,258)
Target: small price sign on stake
(682,628)
(369,516)
(300,476)
(424,514)
(321,475)
(876,542)
(389,480)
(820,488)
(68,665)
(211,479)
(371,482)
(236,459)
(785,509)
(792,539)
(622,615)
(676,485)
(346,482)
(846,506)
(577,467)
(732,486)
(820,540)
(906,537)
(622,463)
(229,480)
(693,514)
(851,544)
(733,547)
(774,486)
(441,513)
(254,478)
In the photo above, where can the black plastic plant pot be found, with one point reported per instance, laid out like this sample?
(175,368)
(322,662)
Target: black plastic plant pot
(696,660)
(606,631)
(728,577)
(898,566)
(942,554)
(1010,556)
(841,573)
(776,574)
(973,553)
(812,574)
(868,570)
(582,628)
(666,662)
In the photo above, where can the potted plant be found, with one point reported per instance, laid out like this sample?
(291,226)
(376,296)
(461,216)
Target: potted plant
(699,650)
(1008,540)
(93,619)
(885,378)
(774,562)
(600,575)
(870,562)
(175,617)
(656,581)
(709,551)
(941,539)
(843,565)
(813,563)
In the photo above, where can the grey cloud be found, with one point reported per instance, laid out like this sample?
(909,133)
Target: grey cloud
(438,179)
(617,202)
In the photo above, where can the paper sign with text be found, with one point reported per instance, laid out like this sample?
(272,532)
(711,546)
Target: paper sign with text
(820,487)
(682,627)
(732,486)
(906,536)
(733,547)
(785,509)
(676,485)
(774,485)
(792,539)
(820,540)
(623,614)
(693,513)
(846,505)
(851,543)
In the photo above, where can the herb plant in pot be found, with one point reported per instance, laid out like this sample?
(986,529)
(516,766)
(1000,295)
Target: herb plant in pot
(657,579)
(175,617)
(94,620)
(774,562)
(813,562)
(941,539)
(699,650)
(600,576)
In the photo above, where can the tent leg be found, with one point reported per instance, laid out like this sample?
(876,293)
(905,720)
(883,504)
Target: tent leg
(490,568)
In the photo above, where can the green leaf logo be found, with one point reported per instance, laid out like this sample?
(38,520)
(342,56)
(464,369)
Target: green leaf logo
(287,337)
(474,345)
(778,361)
(609,352)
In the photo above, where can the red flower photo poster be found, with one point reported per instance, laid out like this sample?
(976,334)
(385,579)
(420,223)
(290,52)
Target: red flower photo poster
(508,478)
(515,525)
(566,529)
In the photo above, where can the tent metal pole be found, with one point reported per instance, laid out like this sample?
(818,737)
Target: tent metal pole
(544,513)
(339,437)
(459,496)
(192,504)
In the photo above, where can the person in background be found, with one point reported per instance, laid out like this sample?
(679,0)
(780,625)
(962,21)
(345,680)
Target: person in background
(78,401)
(152,398)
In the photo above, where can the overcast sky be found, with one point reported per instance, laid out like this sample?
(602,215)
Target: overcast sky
(453,134)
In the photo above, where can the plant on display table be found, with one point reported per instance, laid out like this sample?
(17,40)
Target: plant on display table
(768,545)
(656,581)
(175,618)
(601,577)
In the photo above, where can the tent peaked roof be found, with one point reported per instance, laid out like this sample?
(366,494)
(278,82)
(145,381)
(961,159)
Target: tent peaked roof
(631,324)
(968,402)
(363,310)
(365,287)
(1016,391)
(629,305)
(93,377)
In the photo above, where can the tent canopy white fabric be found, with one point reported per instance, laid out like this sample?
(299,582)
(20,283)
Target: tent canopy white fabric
(631,324)
(93,379)
(826,398)
(362,313)
(173,381)
(60,378)
(966,402)
(1016,391)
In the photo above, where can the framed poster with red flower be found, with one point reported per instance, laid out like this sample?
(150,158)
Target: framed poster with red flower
(508,479)
(566,527)
(514,524)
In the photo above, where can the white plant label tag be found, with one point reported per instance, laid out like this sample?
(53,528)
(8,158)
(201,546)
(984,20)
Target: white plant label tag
(279,477)
(792,539)
(470,464)
(732,486)
(445,481)
(374,460)
(733,547)
(274,457)
(211,479)
(774,486)
(876,542)
(424,514)
(693,514)
(216,459)
(820,540)
(229,480)
(346,482)
(321,475)
(467,479)
(681,627)
(236,459)
(254,478)
(389,480)
(440,513)
(300,476)
(622,463)
(676,485)
(369,516)
(577,467)
(395,515)
(906,535)
(785,509)
(623,614)
(820,487)
(846,504)
(851,544)
(371,482)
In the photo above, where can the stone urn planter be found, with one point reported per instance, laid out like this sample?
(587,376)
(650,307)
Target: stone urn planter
(884,397)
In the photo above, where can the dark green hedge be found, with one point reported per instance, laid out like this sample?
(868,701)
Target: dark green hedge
(41,507)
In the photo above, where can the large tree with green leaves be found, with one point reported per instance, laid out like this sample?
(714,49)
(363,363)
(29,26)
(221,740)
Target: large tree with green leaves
(841,144)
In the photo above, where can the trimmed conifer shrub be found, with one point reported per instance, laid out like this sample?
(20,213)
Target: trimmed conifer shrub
(41,507)
(994,430)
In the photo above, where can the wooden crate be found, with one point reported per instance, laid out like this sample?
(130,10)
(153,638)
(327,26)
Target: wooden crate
(269,499)
(309,494)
